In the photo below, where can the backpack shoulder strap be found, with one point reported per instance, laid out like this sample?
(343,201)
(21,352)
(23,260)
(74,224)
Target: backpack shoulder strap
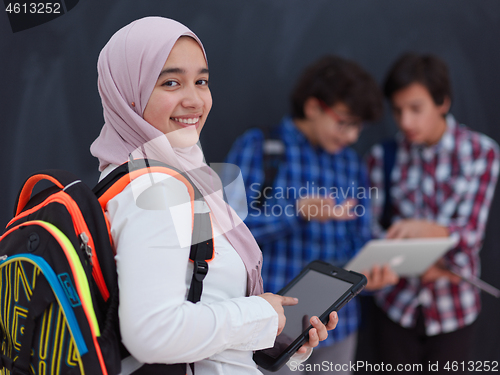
(202,251)
(273,154)
(120,177)
(390,148)
(59,178)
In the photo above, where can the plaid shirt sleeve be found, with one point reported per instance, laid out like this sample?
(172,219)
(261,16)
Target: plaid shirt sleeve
(472,209)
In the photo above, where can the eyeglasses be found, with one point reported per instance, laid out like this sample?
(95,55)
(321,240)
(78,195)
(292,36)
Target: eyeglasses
(345,123)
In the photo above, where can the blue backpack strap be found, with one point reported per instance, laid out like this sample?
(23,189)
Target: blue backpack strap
(390,148)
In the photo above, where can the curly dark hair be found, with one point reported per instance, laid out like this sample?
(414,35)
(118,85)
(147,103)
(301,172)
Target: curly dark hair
(426,69)
(333,80)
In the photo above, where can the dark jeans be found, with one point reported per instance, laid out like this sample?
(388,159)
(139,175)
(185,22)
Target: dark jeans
(396,345)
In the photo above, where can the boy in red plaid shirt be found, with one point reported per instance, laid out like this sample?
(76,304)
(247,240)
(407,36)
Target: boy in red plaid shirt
(442,184)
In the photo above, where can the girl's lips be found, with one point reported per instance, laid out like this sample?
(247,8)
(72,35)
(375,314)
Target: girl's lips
(187,121)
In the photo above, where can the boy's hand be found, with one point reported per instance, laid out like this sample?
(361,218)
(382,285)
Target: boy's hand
(324,209)
(380,277)
(438,270)
(416,228)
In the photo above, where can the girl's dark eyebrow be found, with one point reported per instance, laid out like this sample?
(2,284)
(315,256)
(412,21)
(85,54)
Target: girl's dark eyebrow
(180,71)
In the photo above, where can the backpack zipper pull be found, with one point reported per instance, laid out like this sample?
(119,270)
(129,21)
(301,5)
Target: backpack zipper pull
(85,246)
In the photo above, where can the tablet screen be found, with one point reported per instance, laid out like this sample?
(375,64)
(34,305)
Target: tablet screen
(316,293)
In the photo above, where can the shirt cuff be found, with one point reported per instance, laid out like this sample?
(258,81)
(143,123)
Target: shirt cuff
(262,322)
(298,358)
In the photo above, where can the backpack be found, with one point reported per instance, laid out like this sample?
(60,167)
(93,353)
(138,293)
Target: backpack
(58,281)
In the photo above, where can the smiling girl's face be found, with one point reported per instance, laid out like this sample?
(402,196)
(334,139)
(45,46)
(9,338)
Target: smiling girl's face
(181,100)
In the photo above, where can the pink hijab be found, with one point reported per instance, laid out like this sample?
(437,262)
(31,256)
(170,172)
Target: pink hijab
(128,68)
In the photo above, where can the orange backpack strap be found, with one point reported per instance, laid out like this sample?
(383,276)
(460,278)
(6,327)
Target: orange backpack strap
(61,179)
(120,177)
(202,251)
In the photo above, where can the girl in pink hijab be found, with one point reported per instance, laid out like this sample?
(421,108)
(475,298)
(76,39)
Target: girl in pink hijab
(153,82)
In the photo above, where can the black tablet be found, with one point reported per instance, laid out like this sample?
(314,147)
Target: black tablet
(321,288)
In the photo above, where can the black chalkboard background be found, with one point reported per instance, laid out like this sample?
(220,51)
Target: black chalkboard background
(50,110)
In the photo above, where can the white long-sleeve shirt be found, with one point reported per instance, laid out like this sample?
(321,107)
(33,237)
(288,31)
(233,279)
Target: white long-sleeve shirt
(152,234)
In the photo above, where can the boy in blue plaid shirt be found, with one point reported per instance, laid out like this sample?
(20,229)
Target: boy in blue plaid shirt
(318,206)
